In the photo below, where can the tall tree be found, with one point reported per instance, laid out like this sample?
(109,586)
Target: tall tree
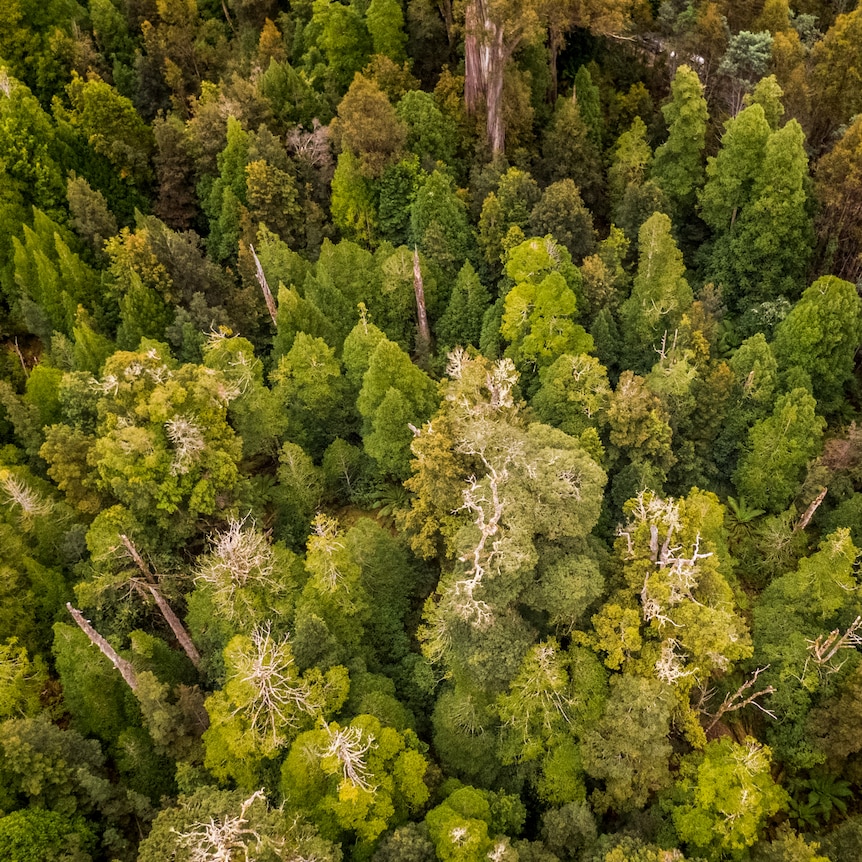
(838,186)
(820,336)
(678,164)
(778,448)
(493,31)
(766,251)
(660,293)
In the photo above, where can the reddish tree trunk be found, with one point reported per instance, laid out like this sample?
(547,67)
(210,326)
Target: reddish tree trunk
(485,58)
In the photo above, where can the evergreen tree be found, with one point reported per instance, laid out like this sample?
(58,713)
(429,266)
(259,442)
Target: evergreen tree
(767,250)
(461,323)
(660,294)
(678,165)
(778,448)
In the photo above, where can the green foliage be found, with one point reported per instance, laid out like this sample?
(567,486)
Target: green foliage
(461,323)
(766,252)
(820,336)
(354,201)
(777,450)
(431,135)
(678,164)
(628,751)
(22,681)
(569,150)
(660,293)
(359,778)
(539,310)
(34,835)
(385,22)
(438,224)
(724,795)
(394,395)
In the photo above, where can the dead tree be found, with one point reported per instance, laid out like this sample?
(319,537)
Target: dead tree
(122,665)
(176,626)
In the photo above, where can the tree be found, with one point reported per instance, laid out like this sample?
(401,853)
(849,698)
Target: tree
(574,394)
(431,135)
(836,74)
(562,214)
(273,199)
(461,323)
(357,778)
(629,170)
(111,126)
(493,31)
(538,319)
(606,280)
(91,218)
(265,703)
(227,195)
(342,35)
(209,823)
(660,294)
(22,681)
(777,451)
(767,250)
(678,164)
(174,449)
(568,152)
(370,127)
(745,62)
(439,225)
(724,795)
(588,98)
(34,835)
(640,425)
(504,209)
(732,173)
(820,336)
(838,184)
(768,93)
(310,391)
(629,750)
(385,22)
(354,201)
(394,395)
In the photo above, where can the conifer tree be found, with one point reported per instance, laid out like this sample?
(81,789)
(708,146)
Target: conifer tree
(678,165)
(660,293)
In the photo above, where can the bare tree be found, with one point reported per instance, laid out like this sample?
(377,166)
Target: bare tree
(349,746)
(278,692)
(240,557)
(223,839)
(733,701)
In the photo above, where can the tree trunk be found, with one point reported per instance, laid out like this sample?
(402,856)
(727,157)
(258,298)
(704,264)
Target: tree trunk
(124,667)
(264,286)
(423,340)
(555,43)
(180,633)
(485,58)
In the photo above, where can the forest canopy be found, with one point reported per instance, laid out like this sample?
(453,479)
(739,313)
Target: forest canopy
(430,431)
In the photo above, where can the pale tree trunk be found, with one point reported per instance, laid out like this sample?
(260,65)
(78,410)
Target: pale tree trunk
(180,633)
(124,667)
(264,286)
(423,341)
(485,58)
